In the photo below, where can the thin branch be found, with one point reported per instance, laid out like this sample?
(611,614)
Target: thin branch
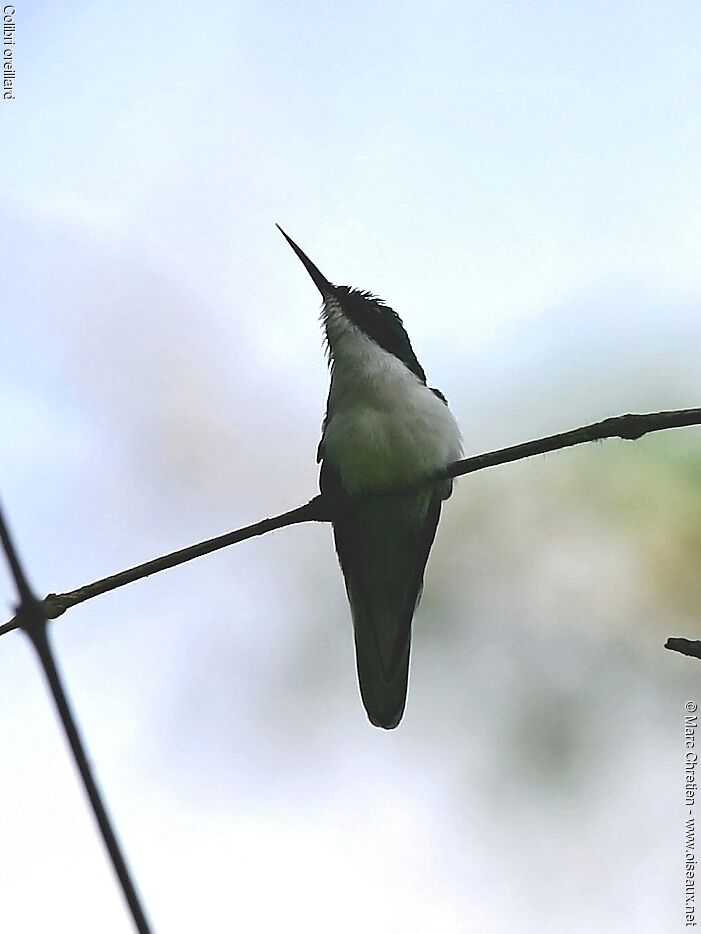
(323,508)
(684,647)
(629,427)
(32,620)
(55,604)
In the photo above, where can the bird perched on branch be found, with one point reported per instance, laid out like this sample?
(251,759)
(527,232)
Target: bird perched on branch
(384,430)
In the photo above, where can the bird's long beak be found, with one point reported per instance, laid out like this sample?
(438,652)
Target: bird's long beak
(326,288)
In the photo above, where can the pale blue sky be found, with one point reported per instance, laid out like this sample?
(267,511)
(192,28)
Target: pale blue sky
(522,183)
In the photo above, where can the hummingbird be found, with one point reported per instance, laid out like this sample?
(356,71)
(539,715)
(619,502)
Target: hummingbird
(384,430)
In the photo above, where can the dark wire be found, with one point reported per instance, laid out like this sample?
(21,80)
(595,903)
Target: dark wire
(34,624)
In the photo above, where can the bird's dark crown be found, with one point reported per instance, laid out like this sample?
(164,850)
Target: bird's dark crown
(379,322)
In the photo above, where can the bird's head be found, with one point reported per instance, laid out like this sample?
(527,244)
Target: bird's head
(346,310)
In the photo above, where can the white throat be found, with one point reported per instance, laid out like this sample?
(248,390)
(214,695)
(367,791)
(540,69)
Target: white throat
(386,428)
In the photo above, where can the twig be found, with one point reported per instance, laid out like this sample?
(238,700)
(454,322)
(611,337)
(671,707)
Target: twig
(323,508)
(629,427)
(684,646)
(55,604)
(32,620)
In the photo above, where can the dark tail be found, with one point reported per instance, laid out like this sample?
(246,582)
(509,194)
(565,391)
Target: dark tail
(383,546)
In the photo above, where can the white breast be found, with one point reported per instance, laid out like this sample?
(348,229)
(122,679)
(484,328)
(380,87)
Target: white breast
(387,428)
